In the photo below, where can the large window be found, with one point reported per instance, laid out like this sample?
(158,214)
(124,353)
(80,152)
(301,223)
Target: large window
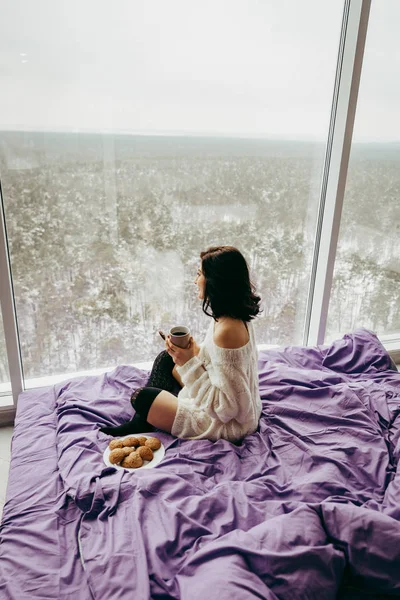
(366,286)
(137,135)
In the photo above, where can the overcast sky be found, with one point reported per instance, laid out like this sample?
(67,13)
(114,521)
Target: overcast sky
(250,67)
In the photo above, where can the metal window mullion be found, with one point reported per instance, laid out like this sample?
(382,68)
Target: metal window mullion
(347,81)
(8,311)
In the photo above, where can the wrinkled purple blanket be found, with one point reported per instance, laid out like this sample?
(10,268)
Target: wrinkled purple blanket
(306,508)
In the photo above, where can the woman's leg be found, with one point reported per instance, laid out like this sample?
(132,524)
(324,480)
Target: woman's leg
(157,406)
(136,425)
(162,411)
(161,375)
(161,379)
(154,408)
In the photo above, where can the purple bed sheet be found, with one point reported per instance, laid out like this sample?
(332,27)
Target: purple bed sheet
(308,507)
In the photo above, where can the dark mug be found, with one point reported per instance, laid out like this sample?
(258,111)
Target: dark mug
(180,336)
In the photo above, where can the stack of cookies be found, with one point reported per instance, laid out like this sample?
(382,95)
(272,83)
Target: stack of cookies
(131,452)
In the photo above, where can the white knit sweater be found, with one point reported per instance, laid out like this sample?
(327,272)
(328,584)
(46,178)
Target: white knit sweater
(220,397)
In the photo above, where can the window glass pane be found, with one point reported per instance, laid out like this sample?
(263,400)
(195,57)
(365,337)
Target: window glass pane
(366,285)
(136,139)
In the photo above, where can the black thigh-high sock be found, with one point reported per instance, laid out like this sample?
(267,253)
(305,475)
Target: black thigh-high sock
(141,400)
(136,425)
(161,374)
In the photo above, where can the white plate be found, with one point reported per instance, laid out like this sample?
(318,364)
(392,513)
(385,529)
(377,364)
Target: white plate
(158,454)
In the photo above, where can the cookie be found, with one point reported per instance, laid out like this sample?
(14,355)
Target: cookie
(133,461)
(146,453)
(128,449)
(131,441)
(153,443)
(115,444)
(117,455)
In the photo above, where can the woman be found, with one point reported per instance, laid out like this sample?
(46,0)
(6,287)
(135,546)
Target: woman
(218,380)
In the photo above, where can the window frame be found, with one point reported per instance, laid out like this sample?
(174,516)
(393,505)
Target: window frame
(344,104)
(10,325)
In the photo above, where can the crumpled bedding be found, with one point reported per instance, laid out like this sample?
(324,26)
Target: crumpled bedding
(308,507)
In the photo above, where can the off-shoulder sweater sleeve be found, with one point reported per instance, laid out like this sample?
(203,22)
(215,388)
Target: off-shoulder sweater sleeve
(222,393)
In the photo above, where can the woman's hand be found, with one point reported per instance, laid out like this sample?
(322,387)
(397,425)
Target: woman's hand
(180,356)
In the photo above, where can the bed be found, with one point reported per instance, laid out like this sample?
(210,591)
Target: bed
(308,507)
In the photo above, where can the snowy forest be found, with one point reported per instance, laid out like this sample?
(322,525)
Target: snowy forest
(105,233)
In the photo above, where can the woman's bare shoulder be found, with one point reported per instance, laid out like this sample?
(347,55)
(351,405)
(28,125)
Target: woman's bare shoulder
(231,333)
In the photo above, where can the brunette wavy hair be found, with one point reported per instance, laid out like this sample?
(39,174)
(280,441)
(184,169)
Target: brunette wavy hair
(228,289)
